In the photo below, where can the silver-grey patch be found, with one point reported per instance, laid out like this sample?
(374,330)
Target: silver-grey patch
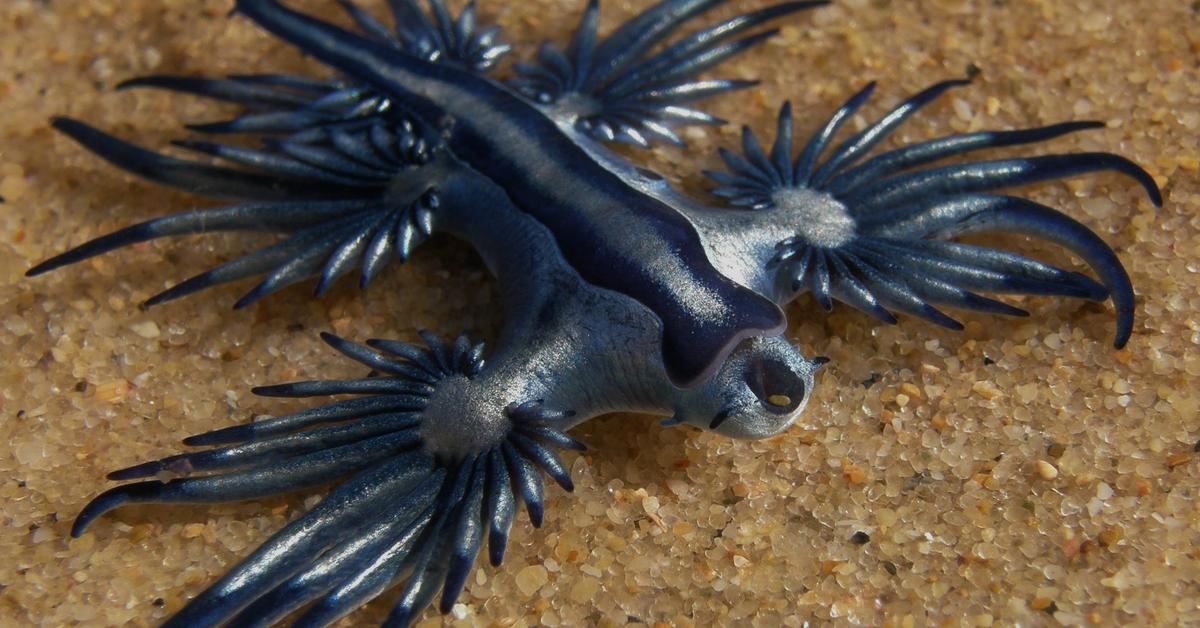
(820,219)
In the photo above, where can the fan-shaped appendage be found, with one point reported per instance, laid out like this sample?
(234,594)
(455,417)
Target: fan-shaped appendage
(873,232)
(400,514)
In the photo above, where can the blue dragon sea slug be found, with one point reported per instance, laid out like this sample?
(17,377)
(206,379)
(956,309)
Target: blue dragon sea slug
(620,292)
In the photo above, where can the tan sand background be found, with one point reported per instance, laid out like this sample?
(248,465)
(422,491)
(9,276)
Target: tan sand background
(1020,471)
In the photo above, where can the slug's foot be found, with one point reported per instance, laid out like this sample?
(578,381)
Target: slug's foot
(872,233)
(411,506)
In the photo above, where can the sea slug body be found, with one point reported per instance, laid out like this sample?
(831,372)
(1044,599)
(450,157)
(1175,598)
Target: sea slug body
(620,293)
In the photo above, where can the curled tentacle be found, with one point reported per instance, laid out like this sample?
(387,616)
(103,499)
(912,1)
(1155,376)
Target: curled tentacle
(199,178)
(1018,215)
(991,175)
(861,143)
(816,145)
(267,91)
(349,567)
(276,216)
(927,152)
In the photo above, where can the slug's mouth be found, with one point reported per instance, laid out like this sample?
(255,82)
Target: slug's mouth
(778,388)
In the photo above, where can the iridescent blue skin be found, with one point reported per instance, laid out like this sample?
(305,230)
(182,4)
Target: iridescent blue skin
(620,293)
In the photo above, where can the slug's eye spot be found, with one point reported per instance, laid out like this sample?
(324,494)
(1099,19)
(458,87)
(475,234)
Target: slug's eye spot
(779,389)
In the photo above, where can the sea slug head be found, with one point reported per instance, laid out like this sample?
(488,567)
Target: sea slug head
(760,391)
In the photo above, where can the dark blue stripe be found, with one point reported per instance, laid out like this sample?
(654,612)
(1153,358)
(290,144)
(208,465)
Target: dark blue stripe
(614,236)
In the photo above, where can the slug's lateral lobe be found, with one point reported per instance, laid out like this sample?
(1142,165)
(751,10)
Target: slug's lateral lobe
(615,236)
(872,231)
